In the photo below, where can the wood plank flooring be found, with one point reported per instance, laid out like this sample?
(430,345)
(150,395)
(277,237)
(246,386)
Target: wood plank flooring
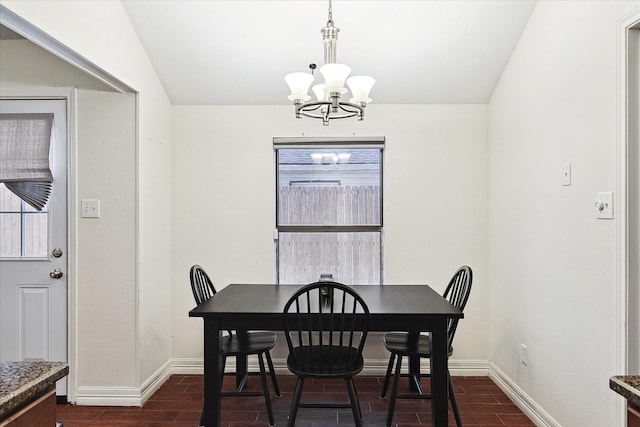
(179,401)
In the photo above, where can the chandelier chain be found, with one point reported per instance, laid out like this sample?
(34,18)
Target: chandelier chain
(330,20)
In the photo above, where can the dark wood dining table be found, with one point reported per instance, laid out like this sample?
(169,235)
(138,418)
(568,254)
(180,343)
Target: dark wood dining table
(242,307)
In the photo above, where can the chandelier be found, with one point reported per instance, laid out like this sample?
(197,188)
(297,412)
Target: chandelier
(329,104)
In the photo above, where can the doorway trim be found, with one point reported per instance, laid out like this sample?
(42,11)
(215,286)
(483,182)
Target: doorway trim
(69,95)
(626,24)
(53,46)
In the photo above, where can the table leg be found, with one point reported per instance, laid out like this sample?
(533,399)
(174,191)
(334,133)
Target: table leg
(212,375)
(439,372)
(414,363)
(241,363)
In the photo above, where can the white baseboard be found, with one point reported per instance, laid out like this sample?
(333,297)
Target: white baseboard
(153,383)
(469,368)
(108,396)
(124,396)
(137,396)
(526,404)
(134,396)
(185,366)
(475,368)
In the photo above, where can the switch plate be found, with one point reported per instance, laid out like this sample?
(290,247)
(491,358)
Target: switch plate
(604,205)
(566,174)
(90,208)
(524,355)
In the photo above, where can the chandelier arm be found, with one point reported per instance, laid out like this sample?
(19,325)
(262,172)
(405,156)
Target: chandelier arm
(325,117)
(331,115)
(314,104)
(322,114)
(350,107)
(309,107)
(345,106)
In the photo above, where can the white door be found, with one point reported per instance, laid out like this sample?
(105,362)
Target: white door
(33,253)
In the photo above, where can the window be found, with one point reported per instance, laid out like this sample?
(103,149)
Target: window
(25,184)
(23,229)
(329,210)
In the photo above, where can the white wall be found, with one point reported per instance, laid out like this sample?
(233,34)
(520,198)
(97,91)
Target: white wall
(36,67)
(102,33)
(106,247)
(552,264)
(435,201)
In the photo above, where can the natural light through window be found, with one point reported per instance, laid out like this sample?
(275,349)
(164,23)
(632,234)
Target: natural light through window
(329,213)
(23,229)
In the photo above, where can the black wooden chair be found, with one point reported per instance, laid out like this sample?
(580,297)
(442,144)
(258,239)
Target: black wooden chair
(235,344)
(398,343)
(326,326)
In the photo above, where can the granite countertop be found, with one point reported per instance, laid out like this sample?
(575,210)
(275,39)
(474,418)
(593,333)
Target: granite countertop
(23,382)
(627,386)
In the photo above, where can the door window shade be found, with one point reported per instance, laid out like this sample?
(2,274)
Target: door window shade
(24,156)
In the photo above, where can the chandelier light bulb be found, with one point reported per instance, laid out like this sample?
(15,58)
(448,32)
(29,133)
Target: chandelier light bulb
(321,94)
(335,76)
(299,86)
(360,87)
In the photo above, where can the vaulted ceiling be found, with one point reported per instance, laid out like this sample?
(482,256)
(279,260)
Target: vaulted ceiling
(237,52)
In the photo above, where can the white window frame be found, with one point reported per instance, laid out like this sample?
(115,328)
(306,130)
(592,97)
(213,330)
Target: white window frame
(324,143)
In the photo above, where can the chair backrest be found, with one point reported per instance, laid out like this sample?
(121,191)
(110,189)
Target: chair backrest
(201,284)
(457,293)
(326,318)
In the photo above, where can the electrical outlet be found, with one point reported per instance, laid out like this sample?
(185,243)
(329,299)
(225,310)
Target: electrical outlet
(524,355)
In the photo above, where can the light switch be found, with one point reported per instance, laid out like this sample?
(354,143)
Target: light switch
(90,208)
(566,174)
(604,205)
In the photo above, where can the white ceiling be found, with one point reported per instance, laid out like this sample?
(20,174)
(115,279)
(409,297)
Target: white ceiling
(237,52)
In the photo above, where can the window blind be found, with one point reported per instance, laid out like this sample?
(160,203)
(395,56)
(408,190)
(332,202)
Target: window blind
(24,156)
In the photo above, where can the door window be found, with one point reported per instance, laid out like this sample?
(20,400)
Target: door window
(24,230)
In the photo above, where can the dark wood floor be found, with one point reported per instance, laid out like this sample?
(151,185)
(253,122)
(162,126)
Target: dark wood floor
(179,401)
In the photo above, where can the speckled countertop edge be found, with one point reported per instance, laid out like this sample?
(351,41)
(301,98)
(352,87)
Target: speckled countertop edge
(627,386)
(23,382)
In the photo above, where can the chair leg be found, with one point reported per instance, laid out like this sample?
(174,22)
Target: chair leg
(272,372)
(355,403)
(265,389)
(295,402)
(454,402)
(415,380)
(387,377)
(357,398)
(394,391)
(224,363)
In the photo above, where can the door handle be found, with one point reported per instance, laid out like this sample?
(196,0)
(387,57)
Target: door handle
(56,274)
